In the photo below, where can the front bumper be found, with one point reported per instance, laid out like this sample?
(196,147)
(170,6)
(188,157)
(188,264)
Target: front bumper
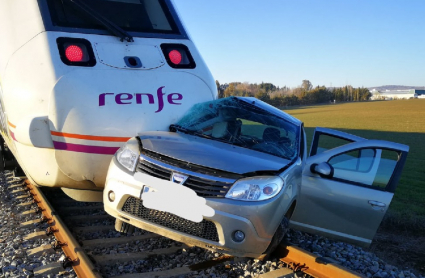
(258,220)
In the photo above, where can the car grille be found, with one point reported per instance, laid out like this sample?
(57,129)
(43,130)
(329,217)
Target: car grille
(204,229)
(191,167)
(203,187)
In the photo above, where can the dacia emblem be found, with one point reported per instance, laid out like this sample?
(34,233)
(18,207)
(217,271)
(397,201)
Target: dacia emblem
(178,178)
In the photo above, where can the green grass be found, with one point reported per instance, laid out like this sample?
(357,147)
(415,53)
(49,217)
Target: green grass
(401,121)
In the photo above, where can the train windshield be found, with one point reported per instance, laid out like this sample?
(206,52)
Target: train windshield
(145,16)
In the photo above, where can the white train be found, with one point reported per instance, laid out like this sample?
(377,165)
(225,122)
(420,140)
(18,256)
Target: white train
(78,78)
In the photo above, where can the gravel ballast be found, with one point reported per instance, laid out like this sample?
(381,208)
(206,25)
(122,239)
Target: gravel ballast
(15,262)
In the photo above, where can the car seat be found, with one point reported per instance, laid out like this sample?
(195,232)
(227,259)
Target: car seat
(271,134)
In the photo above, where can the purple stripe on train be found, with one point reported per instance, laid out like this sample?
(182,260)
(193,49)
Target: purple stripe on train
(12,135)
(84,148)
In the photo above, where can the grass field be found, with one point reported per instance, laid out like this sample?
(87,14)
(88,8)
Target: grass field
(401,121)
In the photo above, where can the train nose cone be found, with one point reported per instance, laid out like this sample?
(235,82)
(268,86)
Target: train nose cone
(92,113)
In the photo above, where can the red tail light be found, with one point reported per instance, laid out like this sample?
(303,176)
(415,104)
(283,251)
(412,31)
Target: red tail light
(76,52)
(175,57)
(178,56)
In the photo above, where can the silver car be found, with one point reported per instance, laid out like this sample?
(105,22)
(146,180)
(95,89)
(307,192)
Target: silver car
(233,173)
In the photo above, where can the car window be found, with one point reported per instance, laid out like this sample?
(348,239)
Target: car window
(327,142)
(370,167)
(358,160)
(386,167)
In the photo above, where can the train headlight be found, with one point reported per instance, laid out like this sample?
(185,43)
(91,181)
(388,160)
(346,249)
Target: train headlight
(255,188)
(128,155)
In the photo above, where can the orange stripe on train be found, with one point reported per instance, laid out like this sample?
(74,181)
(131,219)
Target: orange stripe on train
(91,137)
(11,125)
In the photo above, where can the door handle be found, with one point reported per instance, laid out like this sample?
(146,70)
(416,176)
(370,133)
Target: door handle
(377,204)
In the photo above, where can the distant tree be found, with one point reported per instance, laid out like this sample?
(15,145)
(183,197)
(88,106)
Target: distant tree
(364,94)
(302,95)
(298,92)
(230,91)
(306,85)
(346,93)
(268,87)
(319,95)
(262,95)
(338,95)
(244,89)
(220,91)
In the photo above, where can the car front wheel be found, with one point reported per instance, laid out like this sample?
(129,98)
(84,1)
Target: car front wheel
(282,229)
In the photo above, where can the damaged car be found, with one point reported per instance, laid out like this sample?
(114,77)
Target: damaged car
(233,173)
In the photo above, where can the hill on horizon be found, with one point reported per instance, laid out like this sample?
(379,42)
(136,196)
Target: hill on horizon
(396,87)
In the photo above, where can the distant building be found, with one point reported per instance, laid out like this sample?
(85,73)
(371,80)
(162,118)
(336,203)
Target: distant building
(397,94)
(420,93)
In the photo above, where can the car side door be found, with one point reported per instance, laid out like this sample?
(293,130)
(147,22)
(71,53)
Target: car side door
(345,191)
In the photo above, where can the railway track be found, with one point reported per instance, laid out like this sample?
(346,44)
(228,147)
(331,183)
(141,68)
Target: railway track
(92,247)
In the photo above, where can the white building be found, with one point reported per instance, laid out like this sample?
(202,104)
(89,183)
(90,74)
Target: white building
(397,94)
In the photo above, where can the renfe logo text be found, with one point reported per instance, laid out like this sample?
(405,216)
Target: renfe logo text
(125,98)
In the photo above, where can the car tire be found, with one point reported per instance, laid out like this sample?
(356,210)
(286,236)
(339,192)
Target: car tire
(17,171)
(282,229)
(7,160)
(123,227)
(2,155)
(2,161)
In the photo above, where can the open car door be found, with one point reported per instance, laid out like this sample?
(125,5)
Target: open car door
(346,190)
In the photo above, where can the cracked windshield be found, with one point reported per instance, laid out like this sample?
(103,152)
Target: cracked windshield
(236,122)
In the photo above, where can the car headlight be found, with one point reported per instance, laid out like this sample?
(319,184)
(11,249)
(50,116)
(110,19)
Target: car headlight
(128,154)
(255,188)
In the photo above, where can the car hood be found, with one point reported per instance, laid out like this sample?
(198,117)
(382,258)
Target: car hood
(210,153)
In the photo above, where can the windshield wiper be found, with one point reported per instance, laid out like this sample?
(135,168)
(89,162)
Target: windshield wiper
(112,27)
(174,128)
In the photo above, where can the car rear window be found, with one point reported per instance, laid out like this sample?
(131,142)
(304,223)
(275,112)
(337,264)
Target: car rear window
(146,16)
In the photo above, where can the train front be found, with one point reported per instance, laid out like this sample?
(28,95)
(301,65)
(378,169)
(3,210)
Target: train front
(103,71)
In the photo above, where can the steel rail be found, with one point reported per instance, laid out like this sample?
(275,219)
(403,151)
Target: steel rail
(81,264)
(313,265)
(295,257)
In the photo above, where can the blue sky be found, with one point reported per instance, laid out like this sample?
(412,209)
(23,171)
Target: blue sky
(345,42)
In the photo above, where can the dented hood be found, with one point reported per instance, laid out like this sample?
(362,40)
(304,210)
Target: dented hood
(210,153)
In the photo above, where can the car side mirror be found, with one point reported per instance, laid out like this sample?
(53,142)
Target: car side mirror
(324,169)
